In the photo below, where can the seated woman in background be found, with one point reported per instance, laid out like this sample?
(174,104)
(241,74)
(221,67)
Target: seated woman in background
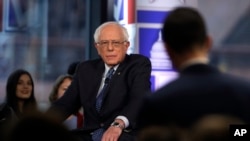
(20,98)
(60,86)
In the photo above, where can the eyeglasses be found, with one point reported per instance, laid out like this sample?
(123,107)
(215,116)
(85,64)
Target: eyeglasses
(115,44)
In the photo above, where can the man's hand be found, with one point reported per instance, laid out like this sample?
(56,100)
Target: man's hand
(112,134)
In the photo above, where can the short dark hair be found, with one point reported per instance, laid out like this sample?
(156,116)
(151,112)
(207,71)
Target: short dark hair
(183,28)
(73,67)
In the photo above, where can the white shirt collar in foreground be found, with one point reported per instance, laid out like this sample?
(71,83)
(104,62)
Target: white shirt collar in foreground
(200,60)
(107,68)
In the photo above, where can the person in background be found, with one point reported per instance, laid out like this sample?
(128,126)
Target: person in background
(73,67)
(110,88)
(39,127)
(161,133)
(201,88)
(20,99)
(60,86)
(214,127)
(71,70)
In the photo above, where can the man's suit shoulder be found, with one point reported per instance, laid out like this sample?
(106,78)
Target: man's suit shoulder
(138,57)
(135,58)
(91,65)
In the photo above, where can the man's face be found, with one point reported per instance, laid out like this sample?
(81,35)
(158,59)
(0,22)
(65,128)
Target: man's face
(111,45)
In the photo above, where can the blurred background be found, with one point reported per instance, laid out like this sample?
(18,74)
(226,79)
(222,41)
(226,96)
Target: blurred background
(46,36)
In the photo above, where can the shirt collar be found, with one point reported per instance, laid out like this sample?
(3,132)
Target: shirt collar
(199,60)
(107,68)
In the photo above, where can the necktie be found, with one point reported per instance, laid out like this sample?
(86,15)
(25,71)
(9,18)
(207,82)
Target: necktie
(97,134)
(100,97)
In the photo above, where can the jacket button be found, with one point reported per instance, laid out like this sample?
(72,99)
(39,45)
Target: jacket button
(102,124)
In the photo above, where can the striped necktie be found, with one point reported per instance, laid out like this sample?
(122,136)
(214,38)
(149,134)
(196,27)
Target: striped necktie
(100,97)
(97,134)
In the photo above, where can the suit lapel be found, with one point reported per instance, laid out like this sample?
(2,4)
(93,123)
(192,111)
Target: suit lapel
(99,70)
(117,73)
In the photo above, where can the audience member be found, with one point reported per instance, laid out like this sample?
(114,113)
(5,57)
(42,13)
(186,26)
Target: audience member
(201,88)
(60,86)
(20,99)
(161,133)
(214,127)
(113,116)
(39,127)
(71,70)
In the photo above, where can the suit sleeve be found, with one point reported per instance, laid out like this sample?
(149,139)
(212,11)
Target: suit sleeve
(139,86)
(68,104)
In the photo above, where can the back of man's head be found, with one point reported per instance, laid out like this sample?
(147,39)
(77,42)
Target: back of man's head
(184,28)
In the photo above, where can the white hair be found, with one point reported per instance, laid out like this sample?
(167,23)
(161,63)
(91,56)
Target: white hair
(98,30)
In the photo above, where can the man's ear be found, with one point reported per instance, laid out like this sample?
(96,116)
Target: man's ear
(173,56)
(209,43)
(127,44)
(96,46)
(168,50)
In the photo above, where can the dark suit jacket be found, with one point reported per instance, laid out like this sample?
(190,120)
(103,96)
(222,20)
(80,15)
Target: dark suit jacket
(199,90)
(127,88)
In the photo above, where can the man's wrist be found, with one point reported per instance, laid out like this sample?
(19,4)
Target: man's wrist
(123,119)
(117,124)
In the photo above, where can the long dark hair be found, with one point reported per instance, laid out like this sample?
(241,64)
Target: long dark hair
(12,99)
